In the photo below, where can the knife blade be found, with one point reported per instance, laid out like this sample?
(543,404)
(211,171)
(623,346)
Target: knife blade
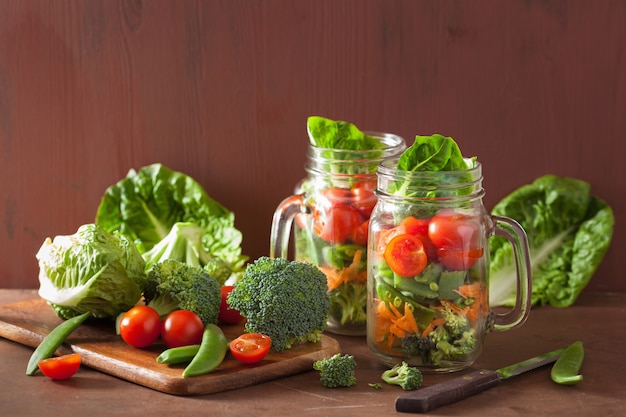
(456,389)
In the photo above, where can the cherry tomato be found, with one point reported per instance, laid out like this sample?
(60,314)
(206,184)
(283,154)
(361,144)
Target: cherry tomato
(250,347)
(140,326)
(359,234)
(182,328)
(336,224)
(60,367)
(459,260)
(419,228)
(405,255)
(228,315)
(455,231)
(364,197)
(337,196)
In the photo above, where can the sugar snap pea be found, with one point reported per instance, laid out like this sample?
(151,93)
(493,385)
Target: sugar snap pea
(53,340)
(565,370)
(182,354)
(211,353)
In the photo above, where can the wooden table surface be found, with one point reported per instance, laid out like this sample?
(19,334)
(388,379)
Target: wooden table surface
(597,320)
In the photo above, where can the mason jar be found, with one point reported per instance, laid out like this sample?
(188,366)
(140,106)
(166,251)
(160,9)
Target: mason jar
(428,272)
(329,215)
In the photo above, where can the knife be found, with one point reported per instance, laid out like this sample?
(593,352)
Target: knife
(453,390)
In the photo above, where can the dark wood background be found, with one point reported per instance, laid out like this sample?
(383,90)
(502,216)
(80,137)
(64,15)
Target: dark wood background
(221,90)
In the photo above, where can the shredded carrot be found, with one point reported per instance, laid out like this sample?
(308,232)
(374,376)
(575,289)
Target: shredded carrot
(480,306)
(431,326)
(351,273)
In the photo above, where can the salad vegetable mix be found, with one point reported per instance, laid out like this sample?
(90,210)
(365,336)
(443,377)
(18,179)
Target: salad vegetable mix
(334,235)
(429,303)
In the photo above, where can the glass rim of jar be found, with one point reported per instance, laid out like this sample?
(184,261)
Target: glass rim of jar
(395,145)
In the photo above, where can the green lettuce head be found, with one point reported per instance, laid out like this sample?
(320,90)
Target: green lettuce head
(91,270)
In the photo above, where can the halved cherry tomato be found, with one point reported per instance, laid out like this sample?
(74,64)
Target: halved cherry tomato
(250,347)
(455,231)
(405,255)
(336,224)
(419,228)
(459,260)
(140,326)
(182,328)
(60,367)
(228,315)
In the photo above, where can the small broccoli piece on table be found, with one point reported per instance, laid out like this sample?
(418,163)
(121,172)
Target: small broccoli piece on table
(174,285)
(286,300)
(407,377)
(336,371)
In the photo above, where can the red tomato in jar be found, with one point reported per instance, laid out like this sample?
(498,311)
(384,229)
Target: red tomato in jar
(60,367)
(459,260)
(419,228)
(364,197)
(405,255)
(182,328)
(359,234)
(455,231)
(140,326)
(336,224)
(250,347)
(228,315)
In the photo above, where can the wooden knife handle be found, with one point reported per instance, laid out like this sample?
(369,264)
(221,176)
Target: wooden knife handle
(448,392)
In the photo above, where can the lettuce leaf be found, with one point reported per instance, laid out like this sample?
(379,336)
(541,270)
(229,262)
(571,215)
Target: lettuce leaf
(146,204)
(337,134)
(569,232)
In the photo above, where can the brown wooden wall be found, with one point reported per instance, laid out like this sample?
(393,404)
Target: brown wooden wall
(221,91)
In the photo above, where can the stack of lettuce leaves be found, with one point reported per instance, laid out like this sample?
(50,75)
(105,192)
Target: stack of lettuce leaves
(569,232)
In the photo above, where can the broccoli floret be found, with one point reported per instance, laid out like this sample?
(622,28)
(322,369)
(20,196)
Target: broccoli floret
(348,303)
(407,377)
(452,347)
(286,300)
(336,371)
(417,345)
(174,285)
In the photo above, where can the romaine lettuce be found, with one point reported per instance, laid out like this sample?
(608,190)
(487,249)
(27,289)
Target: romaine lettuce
(146,204)
(569,231)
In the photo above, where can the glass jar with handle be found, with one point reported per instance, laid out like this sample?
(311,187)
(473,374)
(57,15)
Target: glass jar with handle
(428,283)
(329,215)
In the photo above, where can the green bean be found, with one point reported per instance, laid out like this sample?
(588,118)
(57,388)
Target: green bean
(565,370)
(182,354)
(53,340)
(211,353)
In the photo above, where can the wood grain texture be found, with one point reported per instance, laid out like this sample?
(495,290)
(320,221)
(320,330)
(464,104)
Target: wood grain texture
(28,322)
(221,91)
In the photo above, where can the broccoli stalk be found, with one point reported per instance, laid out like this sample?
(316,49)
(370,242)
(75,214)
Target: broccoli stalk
(174,285)
(407,377)
(336,371)
(286,300)
(184,243)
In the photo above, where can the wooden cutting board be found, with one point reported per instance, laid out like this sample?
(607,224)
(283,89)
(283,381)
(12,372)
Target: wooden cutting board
(100,348)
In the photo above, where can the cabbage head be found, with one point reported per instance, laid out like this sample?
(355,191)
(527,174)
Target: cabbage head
(92,270)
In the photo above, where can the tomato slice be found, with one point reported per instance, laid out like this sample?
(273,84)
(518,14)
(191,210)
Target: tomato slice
(250,347)
(459,260)
(359,234)
(60,367)
(405,255)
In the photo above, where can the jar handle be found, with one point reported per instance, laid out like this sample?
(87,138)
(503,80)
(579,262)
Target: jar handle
(281,225)
(515,234)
